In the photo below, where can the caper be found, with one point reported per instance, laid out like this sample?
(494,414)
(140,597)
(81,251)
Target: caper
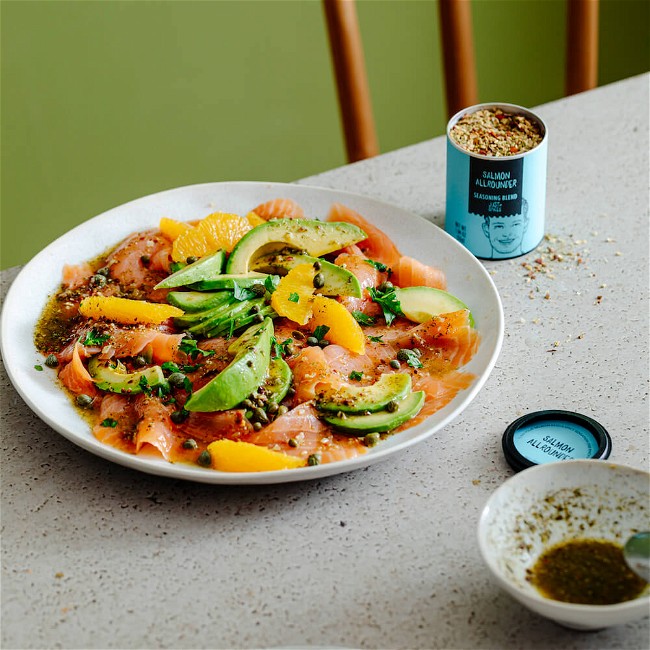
(317,265)
(259,318)
(386,286)
(177,417)
(272,408)
(191,259)
(247,404)
(313,459)
(145,259)
(260,415)
(298,336)
(283,409)
(323,343)
(204,459)
(139,361)
(292,442)
(289,349)
(403,355)
(249,363)
(371,439)
(312,340)
(51,361)
(392,406)
(84,400)
(177,379)
(97,280)
(319,281)
(103,271)
(258,289)
(257,426)
(255,309)
(395,364)
(190,443)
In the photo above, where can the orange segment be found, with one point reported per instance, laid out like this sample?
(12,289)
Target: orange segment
(254,220)
(293,295)
(125,311)
(218,230)
(231,456)
(344,329)
(171,228)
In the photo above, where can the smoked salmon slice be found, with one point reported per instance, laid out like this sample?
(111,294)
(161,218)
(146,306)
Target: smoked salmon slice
(279,209)
(409,272)
(377,246)
(75,377)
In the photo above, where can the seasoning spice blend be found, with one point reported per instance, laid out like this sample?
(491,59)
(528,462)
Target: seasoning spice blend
(496,180)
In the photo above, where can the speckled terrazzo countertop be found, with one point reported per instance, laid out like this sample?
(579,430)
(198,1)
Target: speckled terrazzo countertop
(98,556)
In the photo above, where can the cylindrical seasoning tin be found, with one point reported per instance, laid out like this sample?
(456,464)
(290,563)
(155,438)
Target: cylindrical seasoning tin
(496,203)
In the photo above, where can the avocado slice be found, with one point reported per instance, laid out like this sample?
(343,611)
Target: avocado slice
(315,237)
(196,301)
(203,269)
(242,376)
(278,380)
(351,399)
(338,281)
(421,304)
(228,281)
(115,379)
(380,421)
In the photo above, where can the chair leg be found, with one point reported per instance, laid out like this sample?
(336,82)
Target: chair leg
(582,46)
(458,54)
(351,79)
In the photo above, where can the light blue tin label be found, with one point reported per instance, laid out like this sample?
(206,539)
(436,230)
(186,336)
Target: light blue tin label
(551,440)
(496,205)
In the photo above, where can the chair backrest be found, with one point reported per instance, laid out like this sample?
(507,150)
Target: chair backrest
(458,57)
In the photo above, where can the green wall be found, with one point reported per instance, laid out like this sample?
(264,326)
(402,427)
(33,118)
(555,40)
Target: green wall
(103,102)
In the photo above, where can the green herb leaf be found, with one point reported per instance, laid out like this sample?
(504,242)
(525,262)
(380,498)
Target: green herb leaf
(320,331)
(280,349)
(412,359)
(356,374)
(176,266)
(242,293)
(109,422)
(363,319)
(94,338)
(170,367)
(190,348)
(294,297)
(188,368)
(376,339)
(271,282)
(39,368)
(381,267)
(144,384)
(388,302)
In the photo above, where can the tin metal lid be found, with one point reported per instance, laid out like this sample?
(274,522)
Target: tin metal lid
(549,436)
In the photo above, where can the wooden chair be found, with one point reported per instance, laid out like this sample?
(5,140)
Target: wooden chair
(458,58)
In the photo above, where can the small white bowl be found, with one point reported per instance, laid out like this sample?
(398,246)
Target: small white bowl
(548,504)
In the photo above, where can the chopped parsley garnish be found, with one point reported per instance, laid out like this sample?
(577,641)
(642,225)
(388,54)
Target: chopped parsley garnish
(39,368)
(271,282)
(95,338)
(321,331)
(411,358)
(190,348)
(280,349)
(376,339)
(380,266)
(356,374)
(109,422)
(170,366)
(388,302)
(363,319)
(242,293)
(294,297)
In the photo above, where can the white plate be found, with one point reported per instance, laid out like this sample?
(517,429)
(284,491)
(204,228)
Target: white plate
(413,235)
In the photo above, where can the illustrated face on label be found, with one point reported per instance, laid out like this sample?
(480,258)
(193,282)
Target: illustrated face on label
(505,234)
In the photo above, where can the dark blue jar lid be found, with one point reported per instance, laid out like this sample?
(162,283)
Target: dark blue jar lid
(549,436)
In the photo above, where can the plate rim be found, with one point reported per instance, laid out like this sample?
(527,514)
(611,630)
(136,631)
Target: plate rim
(160,467)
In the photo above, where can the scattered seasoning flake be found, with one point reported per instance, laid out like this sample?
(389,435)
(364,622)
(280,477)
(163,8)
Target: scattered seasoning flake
(58,574)
(39,368)
(109,422)
(491,132)
(294,297)
(356,375)
(599,299)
